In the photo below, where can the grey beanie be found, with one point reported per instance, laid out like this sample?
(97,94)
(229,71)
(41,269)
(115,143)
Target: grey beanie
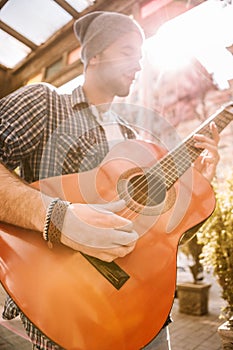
(98,30)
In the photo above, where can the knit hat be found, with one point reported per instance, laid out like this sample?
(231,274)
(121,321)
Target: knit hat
(99,29)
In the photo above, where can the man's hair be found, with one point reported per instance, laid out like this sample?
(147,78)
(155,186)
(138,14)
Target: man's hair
(98,30)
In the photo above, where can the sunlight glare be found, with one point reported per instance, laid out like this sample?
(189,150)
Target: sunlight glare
(204,33)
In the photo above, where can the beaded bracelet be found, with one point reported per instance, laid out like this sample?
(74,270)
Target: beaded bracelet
(54,220)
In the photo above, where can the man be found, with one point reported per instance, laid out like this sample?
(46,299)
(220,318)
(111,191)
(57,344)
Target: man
(47,134)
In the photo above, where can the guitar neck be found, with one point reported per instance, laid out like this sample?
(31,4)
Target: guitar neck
(176,162)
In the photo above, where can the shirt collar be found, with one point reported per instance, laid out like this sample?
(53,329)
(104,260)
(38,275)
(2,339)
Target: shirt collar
(78,97)
(79,100)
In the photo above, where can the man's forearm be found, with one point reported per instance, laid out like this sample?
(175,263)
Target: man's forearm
(21,205)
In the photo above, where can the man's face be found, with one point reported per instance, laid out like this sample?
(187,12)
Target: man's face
(119,63)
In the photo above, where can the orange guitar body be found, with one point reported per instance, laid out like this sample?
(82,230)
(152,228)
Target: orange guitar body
(67,298)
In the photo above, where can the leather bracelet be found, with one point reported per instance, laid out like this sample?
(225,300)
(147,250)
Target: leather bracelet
(54,221)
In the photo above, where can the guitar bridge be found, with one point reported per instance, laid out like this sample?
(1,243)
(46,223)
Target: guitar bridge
(110,270)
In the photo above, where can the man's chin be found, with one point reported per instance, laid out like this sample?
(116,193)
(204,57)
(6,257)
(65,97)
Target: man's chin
(123,93)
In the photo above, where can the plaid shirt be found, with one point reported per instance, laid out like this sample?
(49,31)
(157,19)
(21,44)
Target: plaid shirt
(46,134)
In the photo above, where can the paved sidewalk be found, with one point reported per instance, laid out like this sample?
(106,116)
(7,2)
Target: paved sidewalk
(187,332)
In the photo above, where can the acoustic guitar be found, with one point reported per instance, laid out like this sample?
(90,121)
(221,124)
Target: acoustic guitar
(83,303)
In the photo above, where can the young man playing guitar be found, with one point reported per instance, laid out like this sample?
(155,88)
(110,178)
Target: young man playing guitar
(46,134)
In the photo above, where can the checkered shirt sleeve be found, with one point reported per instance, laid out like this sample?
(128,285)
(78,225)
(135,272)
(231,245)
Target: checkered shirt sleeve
(22,119)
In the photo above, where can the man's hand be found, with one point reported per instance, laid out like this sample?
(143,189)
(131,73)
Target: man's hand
(96,230)
(209,158)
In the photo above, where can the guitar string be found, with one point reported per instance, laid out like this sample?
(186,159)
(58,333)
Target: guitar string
(182,164)
(195,150)
(193,153)
(154,188)
(190,142)
(171,179)
(170,172)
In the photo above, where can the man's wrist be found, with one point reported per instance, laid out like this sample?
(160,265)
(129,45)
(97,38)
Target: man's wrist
(54,220)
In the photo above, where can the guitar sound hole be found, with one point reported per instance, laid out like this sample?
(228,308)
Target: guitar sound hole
(147,190)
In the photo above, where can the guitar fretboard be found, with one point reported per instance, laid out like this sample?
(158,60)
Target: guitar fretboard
(176,162)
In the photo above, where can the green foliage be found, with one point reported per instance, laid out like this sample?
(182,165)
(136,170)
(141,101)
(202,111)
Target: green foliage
(216,235)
